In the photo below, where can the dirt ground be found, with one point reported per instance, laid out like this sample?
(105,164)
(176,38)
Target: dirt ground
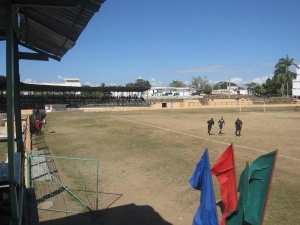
(146,159)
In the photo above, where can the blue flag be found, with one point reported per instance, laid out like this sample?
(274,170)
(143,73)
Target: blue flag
(202,180)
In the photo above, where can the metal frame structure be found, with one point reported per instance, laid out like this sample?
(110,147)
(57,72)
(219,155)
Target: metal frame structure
(43,171)
(50,28)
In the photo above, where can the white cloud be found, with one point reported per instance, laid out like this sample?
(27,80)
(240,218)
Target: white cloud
(187,83)
(60,77)
(140,77)
(237,80)
(241,82)
(260,80)
(209,69)
(29,80)
(157,83)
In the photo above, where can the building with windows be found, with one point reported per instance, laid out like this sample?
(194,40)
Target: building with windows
(169,91)
(296,85)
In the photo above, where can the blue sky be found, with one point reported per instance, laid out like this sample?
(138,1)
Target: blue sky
(166,40)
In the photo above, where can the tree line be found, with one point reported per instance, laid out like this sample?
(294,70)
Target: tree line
(281,81)
(279,84)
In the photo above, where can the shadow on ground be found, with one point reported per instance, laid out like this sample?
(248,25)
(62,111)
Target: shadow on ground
(130,214)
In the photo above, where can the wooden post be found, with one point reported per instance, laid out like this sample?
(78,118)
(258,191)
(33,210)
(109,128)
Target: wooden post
(233,162)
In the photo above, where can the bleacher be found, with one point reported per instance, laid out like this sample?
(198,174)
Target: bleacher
(29,101)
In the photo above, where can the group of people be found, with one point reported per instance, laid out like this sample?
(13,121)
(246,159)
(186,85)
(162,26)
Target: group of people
(238,126)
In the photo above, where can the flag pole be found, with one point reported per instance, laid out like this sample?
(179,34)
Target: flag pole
(233,162)
(269,188)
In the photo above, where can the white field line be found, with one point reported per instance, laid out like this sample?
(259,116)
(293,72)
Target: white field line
(191,135)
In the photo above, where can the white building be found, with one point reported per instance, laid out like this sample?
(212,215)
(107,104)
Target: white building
(233,90)
(168,91)
(296,84)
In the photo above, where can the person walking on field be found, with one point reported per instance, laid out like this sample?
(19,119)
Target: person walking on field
(221,124)
(210,123)
(238,127)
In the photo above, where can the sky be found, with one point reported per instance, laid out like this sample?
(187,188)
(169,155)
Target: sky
(166,40)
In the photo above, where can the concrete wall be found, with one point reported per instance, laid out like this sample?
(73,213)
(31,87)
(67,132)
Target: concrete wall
(191,104)
(24,112)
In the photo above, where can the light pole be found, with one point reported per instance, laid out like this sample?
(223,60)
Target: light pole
(228,87)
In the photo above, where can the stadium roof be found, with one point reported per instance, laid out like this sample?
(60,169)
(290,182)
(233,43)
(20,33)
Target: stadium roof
(53,88)
(49,27)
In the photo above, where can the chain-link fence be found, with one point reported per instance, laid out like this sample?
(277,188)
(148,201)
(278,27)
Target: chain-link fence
(64,184)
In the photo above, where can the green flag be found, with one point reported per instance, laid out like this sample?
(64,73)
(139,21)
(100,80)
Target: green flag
(260,172)
(237,216)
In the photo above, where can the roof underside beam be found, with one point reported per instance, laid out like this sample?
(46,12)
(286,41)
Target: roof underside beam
(39,51)
(33,56)
(45,3)
(88,4)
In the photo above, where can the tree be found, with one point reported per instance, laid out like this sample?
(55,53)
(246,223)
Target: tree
(207,89)
(130,84)
(222,85)
(280,78)
(139,83)
(283,71)
(177,83)
(142,83)
(251,86)
(199,83)
(269,87)
(259,90)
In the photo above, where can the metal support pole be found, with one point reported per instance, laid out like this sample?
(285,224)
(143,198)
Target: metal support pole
(97,184)
(10,109)
(18,119)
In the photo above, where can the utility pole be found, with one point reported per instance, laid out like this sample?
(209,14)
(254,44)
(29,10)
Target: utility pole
(229,86)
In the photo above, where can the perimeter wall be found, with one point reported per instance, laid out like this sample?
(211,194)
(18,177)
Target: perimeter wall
(196,104)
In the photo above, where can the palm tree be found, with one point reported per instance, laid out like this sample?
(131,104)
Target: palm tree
(280,78)
(283,72)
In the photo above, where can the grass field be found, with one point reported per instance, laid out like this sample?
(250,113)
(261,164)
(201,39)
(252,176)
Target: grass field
(147,157)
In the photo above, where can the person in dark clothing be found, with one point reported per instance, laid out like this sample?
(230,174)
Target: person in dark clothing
(221,124)
(36,114)
(210,123)
(238,127)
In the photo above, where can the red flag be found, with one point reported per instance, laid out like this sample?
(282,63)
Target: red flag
(224,169)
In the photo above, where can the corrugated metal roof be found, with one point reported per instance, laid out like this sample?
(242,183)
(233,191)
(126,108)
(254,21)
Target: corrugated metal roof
(53,88)
(52,30)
